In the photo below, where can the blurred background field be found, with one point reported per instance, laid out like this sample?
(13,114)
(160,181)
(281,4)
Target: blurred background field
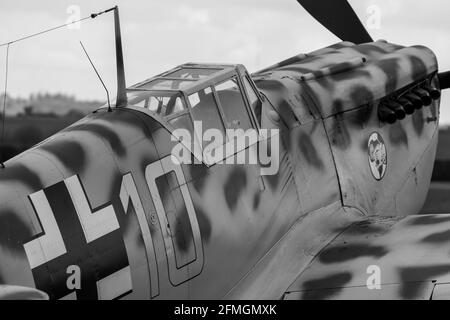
(438,199)
(33,119)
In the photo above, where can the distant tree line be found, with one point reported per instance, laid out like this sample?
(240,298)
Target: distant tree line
(33,119)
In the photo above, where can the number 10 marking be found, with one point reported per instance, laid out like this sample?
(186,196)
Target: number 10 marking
(129,192)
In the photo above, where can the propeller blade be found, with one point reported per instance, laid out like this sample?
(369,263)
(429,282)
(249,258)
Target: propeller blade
(338,17)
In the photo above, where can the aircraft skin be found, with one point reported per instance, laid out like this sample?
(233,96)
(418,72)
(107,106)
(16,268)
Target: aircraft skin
(99,210)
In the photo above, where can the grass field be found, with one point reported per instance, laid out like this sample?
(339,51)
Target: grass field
(23,132)
(438,198)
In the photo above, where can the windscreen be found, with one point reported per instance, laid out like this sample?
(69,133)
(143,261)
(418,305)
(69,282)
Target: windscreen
(162,104)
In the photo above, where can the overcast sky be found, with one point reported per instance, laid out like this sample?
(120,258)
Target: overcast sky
(158,35)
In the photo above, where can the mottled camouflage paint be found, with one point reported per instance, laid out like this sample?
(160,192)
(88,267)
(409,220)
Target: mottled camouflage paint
(258,232)
(411,252)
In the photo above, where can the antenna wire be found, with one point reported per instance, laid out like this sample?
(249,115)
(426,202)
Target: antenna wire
(2,138)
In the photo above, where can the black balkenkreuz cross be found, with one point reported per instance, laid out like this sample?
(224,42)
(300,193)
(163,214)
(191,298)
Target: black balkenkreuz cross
(96,260)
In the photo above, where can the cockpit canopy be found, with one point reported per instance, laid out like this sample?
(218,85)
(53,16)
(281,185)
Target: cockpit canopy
(220,96)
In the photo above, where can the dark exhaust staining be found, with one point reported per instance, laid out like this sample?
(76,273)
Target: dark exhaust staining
(418,122)
(361,116)
(326,287)
(309,151)
(13,232)
(397,134)
(69,153)
(234,186)
(344,253)
(19,173)
(429,273)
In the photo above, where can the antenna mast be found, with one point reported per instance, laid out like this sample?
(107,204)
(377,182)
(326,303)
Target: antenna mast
(121,100)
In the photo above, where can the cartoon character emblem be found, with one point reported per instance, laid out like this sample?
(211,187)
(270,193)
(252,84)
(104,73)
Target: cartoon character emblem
(377,155)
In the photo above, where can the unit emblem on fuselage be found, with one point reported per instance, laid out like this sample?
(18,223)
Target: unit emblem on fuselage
(377,155)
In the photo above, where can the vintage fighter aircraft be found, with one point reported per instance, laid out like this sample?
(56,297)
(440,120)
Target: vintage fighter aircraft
(102,209)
